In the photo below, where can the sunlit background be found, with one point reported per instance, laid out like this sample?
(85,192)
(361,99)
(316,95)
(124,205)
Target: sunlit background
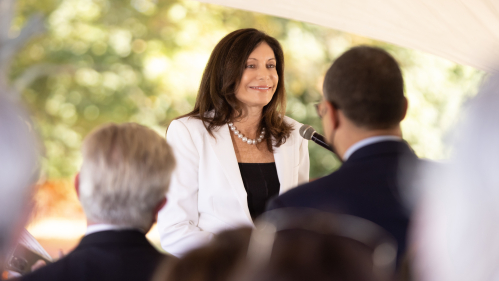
(141,61)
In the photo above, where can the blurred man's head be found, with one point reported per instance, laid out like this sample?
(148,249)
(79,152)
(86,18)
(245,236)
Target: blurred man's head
(306,255)
(216,261)
(125,175)
(363,93)
(18,170)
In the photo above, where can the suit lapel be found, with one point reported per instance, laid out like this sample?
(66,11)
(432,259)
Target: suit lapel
(284,162)
(224,150)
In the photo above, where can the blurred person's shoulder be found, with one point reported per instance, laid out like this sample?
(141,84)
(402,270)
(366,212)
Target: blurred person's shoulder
(96,260)
(53,272)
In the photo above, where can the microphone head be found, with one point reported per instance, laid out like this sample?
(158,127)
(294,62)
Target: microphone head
(306,131)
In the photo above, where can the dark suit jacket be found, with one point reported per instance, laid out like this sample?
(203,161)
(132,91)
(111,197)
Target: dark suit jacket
(105,255)
(366,186)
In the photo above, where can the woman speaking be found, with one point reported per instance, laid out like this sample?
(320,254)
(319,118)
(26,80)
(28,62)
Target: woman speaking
(236,149)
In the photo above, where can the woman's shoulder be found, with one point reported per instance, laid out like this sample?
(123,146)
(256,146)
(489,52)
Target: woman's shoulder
(294,124)
(189,121)
(187,124)
(194,120)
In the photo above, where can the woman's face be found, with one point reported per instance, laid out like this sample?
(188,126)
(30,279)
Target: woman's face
(259,80)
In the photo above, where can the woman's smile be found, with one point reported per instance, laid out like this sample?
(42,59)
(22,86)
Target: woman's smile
(259,77)
(261,88)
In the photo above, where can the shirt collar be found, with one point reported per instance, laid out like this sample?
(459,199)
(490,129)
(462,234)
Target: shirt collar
(356,146)
(105,227)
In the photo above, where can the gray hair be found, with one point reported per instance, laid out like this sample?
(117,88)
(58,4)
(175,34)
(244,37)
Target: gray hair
(125,174)
(18,169)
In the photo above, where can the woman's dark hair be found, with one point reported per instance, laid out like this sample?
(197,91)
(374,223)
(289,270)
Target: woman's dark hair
(221,78)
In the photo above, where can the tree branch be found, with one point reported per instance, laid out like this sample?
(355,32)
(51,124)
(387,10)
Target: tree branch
(6,16)
(34,72)
(11,46)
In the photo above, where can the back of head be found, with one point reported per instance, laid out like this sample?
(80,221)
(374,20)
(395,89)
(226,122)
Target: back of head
(367,85)
(125,174)
(292,244)
(18,169)
(216,261)
(305,255)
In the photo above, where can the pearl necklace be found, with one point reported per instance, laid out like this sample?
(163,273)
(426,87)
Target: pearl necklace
(245,139)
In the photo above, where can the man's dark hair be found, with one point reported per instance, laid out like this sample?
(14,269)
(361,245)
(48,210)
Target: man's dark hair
(367,85)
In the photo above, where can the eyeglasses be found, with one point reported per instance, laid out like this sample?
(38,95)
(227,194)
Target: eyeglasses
(321,111)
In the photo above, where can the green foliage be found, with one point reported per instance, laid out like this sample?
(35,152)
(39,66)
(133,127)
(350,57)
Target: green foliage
(141,60)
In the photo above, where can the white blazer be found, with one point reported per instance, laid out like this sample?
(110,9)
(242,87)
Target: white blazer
(207,193)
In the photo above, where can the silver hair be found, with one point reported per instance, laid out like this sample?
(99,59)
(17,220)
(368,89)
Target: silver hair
(18,168)
(125,174)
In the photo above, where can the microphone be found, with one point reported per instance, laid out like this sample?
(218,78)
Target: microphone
(307,132)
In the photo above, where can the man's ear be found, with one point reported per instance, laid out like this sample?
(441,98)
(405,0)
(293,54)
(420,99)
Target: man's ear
(77,184)
(332,114)
(158,208)
(406,106)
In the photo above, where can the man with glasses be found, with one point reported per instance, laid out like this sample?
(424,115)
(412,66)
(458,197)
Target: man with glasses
(361,112)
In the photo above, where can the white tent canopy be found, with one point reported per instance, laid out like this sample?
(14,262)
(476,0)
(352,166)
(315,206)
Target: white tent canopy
(463,31)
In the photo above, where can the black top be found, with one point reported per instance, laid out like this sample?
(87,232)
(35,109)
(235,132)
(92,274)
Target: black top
(261,183)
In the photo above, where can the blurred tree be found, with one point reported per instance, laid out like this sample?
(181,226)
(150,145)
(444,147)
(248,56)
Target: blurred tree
(13,36)
(141,60)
